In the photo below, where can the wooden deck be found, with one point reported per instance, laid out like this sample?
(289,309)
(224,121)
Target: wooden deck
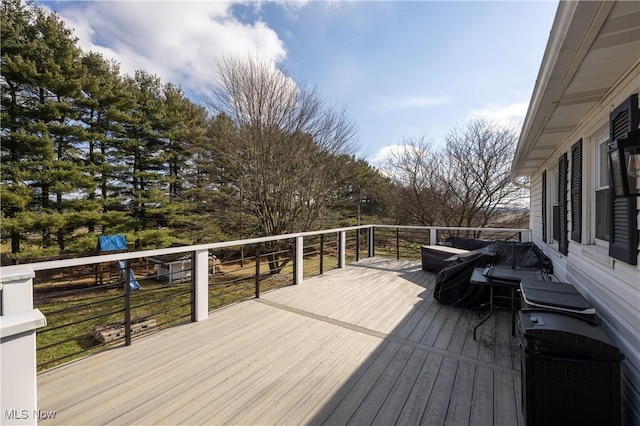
(367,344)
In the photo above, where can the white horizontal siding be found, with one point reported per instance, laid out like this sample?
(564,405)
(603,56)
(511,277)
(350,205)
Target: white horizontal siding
(535,208)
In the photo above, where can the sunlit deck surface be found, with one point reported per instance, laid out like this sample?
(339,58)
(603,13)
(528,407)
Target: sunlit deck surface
(366,344)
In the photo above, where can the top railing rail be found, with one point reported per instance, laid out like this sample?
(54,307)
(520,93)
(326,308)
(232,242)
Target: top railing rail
(81,261)
(453,228)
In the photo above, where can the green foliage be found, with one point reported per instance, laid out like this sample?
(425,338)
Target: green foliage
(82,243)
(154,238)
(88,151)
(34,251)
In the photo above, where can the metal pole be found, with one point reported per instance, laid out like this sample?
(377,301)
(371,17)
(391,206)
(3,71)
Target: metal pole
(127,304)
(397,243)
(257,271)
(371,242)
(194,272)
(342,249)
(357,245)
(321,254)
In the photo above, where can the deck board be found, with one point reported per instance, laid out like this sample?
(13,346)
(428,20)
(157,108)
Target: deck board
(366,344)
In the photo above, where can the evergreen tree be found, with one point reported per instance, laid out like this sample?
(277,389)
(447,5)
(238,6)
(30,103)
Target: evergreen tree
(101,106)
(187,141)
(25,139)
(63,175)
(144,152)
(217,180)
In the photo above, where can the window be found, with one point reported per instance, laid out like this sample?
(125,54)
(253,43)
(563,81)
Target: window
(555,210)
(602,192)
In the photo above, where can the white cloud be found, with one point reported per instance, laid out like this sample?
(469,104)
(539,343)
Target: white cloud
(412,147)
(178,41)
(385,152)
(394,103)
(509,115)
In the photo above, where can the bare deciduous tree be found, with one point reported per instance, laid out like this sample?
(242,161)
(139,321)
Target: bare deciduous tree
(411,168)
(475,174)
(280,159)
(466,183)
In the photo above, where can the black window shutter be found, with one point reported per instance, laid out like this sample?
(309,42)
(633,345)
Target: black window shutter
(563,241)
(544,206)
(576,192)
(623,241)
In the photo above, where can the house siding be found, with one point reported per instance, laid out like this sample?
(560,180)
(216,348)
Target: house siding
(535,209)
(612,286)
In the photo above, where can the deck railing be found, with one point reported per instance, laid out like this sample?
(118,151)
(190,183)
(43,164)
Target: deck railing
(91,303)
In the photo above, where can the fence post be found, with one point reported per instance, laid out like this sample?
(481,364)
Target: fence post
(201,285)
(357,245)
(371,242)
(18,339)
(397,243)
(433,236)
(525,236)
(298,272)
(342,248)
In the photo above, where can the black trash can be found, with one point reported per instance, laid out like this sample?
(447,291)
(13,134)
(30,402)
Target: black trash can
(570,371)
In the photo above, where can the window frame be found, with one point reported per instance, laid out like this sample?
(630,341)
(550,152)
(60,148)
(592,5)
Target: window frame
(554,206)
(600,183)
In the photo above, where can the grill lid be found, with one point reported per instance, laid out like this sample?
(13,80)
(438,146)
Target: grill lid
(563,333)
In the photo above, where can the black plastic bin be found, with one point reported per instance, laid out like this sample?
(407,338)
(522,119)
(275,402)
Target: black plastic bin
(570,371)
(555,296)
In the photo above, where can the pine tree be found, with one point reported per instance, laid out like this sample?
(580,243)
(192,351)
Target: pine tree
(143,147)
(25,139)
(186,131)
(60,83)
(101,105)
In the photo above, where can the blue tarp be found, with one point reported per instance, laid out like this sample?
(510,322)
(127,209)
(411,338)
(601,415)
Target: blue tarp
(112,243)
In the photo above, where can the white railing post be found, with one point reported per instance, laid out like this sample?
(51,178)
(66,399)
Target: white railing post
(299,261)
(342,248)
(201,287)
(525,236)
(18,324)
(372,242)
(433,236)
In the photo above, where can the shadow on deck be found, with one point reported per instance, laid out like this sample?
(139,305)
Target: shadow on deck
(367,344)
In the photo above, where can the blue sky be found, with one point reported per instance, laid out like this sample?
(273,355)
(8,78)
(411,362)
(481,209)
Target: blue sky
(401,69)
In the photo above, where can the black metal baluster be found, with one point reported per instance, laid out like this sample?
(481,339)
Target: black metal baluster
(257,271)
(321,253)
(127,304)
